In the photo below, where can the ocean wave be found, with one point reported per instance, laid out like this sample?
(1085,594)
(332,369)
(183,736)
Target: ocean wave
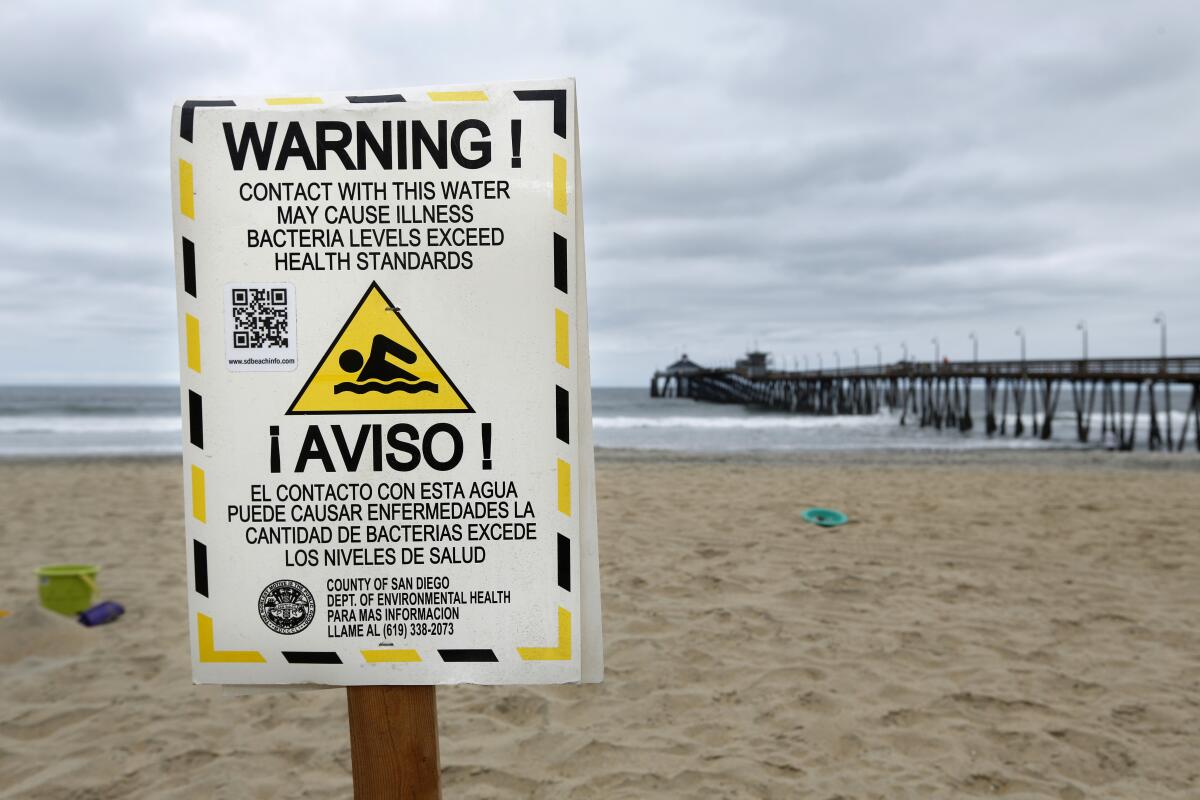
(744,423)
(89,424)
(62,451)
(783,420)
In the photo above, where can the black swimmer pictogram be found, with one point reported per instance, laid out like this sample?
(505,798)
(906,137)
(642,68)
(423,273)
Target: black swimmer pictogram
(379,373)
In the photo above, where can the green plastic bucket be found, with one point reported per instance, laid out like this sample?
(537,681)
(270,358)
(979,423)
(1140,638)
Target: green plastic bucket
(67,588)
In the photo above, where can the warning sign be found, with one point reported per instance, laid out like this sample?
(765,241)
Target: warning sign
(388,464)
(376,363)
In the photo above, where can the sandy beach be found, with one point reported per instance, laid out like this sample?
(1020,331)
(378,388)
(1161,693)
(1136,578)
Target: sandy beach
(995,624)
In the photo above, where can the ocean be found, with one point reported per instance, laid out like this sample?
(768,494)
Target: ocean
(140,420)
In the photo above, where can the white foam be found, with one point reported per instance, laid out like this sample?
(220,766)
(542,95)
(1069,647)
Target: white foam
(763,422)
(85,424)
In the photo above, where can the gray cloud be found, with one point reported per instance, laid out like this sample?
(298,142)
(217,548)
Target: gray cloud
(817,177)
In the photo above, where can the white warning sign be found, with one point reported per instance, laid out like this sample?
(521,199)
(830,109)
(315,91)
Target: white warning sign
(385,382)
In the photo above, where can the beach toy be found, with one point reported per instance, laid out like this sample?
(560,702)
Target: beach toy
(101,613)
(825,517)
(67,588)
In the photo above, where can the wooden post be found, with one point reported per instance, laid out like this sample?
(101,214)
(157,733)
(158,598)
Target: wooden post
(1033,404)
(1167,398)
(1019,400)
(1137,401)
(1087,427)
(1155,439)
(1003,408)
(394,742)
(989,405)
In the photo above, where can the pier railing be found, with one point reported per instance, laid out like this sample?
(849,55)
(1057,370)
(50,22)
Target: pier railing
(1187,369)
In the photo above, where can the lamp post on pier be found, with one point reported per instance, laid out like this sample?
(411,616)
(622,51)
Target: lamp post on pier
(880,392)
(937,351)
(974,346)
(856,358)
(904,349)
(1160,319)
(1021,333)
(1081,326)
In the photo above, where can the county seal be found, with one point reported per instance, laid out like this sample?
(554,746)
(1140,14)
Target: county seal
(286,606)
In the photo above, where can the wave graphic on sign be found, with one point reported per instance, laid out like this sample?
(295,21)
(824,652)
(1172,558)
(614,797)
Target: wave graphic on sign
(386,388)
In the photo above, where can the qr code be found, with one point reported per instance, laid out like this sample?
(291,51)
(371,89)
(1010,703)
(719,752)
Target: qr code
(260,318)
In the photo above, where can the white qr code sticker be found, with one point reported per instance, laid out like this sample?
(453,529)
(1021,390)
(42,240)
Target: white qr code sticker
(260,327)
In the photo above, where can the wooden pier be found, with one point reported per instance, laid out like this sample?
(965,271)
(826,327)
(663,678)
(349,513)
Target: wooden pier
(1018,397)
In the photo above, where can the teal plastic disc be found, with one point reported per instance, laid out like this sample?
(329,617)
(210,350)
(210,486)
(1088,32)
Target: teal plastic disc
(825,517)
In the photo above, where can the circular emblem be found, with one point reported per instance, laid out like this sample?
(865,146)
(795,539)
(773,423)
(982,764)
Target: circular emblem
(286,606)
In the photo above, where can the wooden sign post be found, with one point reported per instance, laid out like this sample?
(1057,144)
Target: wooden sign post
(394,742)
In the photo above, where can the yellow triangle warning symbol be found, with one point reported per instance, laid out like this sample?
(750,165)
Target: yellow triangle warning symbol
(375,365)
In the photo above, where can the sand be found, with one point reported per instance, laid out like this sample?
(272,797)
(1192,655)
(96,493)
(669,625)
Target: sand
(32,630)
(1018,625)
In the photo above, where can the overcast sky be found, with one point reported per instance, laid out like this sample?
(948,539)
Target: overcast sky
(813,176)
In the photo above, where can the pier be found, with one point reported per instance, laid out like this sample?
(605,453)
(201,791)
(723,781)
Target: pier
(1019,398)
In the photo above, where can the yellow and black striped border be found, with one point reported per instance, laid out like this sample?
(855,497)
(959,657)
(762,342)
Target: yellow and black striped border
(560,269)
(194,408)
